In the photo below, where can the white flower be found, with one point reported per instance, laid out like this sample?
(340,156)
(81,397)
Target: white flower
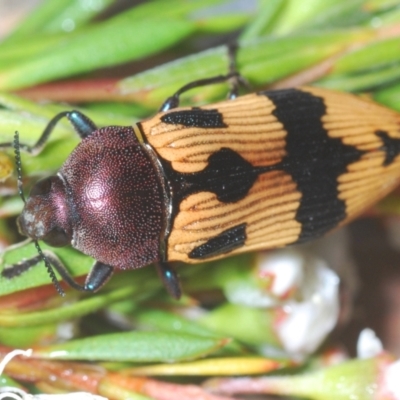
(306,319)
(391,380)
(368,344)
(302,291)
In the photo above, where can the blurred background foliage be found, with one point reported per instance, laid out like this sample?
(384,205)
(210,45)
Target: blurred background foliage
(117,62)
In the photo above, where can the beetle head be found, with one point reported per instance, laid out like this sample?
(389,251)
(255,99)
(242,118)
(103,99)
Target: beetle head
(44,216)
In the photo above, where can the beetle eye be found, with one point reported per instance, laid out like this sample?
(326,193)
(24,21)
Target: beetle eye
(57,237)
(41,187)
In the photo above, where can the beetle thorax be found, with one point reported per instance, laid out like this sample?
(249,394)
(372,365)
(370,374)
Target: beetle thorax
(115,199)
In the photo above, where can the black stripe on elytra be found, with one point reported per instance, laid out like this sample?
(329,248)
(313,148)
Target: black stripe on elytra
(227,174)
(195,117)
(313,159)
(225,242)
(391,146)
(230,177)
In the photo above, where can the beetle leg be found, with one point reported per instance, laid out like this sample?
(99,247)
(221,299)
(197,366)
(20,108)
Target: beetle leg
(20,267)
(99,274)
(236,80)
(80,122)
(97,277)
(23,266)
(170,279)
(232,77)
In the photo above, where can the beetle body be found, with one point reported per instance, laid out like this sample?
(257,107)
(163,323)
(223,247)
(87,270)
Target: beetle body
(271,169)
(260,171)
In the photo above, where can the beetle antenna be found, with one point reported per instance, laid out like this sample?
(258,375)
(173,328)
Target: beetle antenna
(18,164)
(49,268)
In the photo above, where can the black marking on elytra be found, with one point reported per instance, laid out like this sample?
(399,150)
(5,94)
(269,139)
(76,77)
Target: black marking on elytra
(227,174)
(195,117)
(313,159)
(225,242)
(391,146)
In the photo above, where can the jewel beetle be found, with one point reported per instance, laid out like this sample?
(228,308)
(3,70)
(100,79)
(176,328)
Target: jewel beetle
(258,171)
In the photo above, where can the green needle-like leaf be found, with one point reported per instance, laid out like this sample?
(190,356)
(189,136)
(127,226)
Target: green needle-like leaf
(260,61)
(58,16)
(77,263)
(374,55)
(135,347)
(108,43)
(69,311)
